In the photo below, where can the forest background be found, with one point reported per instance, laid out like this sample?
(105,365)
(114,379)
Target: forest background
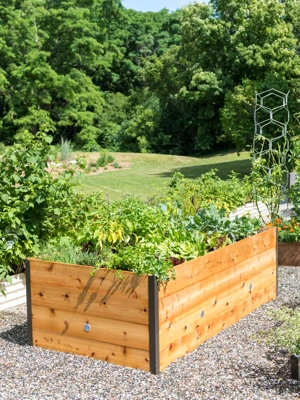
(181,82)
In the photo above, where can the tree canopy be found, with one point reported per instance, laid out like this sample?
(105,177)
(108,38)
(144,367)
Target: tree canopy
(182,82)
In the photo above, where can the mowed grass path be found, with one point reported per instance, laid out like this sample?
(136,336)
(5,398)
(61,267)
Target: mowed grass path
(149,173)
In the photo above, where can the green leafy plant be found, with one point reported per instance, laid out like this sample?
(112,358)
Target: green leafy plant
(35,206)
(268,185)
(191,195)
(104,160)
(130,234)
(212,221)
(294,196)
(2,148)
(66,251)
(286,334)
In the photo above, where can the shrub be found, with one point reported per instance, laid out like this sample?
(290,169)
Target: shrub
(191,195)
(66,251)
(91,147)
(35,206)
(104,160)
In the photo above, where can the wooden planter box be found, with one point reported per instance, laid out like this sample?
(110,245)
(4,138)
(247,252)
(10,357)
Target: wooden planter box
(295,367)
(15,293)
(289,254)
(136,323)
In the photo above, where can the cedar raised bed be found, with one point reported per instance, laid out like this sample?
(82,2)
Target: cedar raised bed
(137,323)
(289,254)
(15,293)
(295,367)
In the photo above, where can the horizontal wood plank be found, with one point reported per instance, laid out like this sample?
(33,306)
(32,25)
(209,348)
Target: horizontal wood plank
(132,309)
(77,277)
(203,331)
(189,296)
(120,355)
(213,305)
(101,329)
(212,263)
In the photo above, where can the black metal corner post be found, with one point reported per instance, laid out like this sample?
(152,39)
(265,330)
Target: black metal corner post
(28,298)
(295,367)
(277,262)
(153,325)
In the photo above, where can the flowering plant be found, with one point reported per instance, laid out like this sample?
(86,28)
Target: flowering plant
(288,229)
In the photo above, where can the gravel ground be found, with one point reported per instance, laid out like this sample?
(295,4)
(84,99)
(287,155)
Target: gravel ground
(232,365)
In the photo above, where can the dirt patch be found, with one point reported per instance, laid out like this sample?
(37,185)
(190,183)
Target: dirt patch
(58,168)
(122,165)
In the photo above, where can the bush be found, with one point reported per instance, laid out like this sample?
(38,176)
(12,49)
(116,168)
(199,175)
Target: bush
(191,195)
(104,160)
(91,147)
(35,207)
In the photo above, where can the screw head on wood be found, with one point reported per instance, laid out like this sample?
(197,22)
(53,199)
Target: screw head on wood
(202,314)
(86,327)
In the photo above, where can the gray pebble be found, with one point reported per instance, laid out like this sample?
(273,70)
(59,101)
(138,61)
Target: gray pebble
(231,365)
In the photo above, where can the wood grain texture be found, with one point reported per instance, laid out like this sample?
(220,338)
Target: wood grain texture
(289,254)
(106,330)
(213,305)
(94,303)
(213,326)
(240,275)
(208,295)
(214,292)
(65,297)
(77,277)
(220,260)
(120,355)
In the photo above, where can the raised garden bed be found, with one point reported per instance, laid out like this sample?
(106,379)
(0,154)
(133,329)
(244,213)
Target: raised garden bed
(289,254)
(137,323)
(295,367)
(15,292)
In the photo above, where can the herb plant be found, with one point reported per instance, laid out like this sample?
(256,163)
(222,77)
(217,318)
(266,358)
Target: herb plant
(286,334)
(144,238)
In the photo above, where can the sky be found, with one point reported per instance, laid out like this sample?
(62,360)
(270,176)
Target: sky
(156,5)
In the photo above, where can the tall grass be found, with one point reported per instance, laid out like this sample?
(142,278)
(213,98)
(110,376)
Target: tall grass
(65,149)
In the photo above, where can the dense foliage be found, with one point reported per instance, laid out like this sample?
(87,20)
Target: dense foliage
(182,82)
(34,206)
(208,189)
(43,214)
(132,235)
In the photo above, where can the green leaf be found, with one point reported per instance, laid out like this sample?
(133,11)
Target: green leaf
(16,178)
(5,197)
(48,139)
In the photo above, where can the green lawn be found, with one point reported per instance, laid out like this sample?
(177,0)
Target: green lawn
(149,172)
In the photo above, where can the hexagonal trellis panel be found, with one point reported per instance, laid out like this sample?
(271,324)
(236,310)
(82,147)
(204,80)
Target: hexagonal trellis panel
(271,118)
